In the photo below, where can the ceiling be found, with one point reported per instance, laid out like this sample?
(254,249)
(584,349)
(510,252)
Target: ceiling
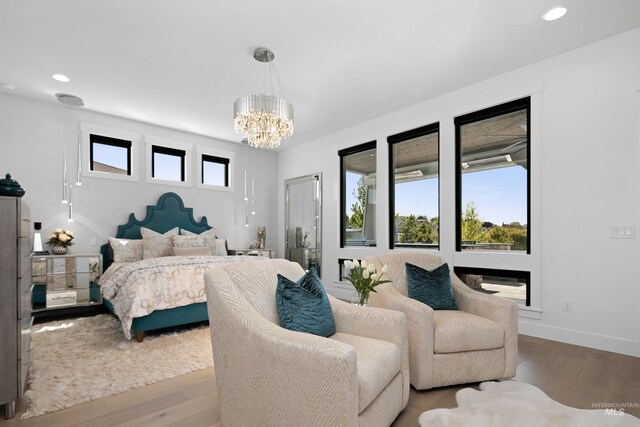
(182,64)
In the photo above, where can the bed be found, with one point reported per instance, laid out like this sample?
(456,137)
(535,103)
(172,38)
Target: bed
(126,287)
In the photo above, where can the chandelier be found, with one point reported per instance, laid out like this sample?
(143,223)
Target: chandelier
(264,120)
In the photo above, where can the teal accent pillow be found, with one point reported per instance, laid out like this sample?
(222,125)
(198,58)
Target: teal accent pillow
(303,306)
(431,287)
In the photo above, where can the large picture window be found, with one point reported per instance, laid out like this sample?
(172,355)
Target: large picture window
(510,284)
(414,190)
(492,178)
(358,195)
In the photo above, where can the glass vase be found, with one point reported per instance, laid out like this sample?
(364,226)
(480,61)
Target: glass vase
(362,300)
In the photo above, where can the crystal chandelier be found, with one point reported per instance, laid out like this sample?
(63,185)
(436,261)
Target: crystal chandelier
(264,120)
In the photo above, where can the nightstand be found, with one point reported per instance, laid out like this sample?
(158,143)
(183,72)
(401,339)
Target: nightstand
(65,281)
(269,253)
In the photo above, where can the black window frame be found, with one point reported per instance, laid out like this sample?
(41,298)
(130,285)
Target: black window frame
(114,142)
(392,140)
(371,145)
(487,113)
(214,159)
(519,274)
(168,151)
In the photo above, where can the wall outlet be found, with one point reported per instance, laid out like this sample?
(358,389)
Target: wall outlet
(568,307)
(622,232)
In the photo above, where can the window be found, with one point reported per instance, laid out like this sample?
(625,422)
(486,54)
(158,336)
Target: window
(215,168)
(167,163)
(413,193)
(358,195)
(215,171)
(510,284)
(492,178)
(109,155)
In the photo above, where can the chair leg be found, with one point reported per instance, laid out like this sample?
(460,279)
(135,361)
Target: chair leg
(139,336)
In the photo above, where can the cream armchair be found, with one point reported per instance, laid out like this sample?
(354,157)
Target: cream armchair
(478,342)
(271,376)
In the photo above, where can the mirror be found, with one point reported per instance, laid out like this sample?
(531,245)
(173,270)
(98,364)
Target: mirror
(303,220)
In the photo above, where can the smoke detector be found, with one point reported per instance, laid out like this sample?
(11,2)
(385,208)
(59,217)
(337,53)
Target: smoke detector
(70,100)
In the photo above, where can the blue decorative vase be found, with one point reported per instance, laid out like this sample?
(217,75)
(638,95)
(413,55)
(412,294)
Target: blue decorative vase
(10,187)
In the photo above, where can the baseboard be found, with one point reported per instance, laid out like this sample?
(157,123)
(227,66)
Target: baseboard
(584,339)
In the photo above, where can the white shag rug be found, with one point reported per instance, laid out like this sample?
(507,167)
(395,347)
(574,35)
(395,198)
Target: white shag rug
(512,403)
(78,360)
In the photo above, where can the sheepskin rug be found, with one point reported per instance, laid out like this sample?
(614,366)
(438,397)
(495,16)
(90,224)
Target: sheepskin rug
(78,360)
(512,403)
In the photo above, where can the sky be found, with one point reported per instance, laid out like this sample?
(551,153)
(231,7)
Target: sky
(165,167)
(500,195)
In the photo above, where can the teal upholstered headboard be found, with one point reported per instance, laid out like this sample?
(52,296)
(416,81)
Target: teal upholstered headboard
(168,213)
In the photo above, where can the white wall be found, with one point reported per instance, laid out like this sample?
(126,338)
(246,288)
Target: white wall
(585,157)
(33,135)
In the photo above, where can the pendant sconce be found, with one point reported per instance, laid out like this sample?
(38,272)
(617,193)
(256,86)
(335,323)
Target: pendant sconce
(67,186)
(246,199)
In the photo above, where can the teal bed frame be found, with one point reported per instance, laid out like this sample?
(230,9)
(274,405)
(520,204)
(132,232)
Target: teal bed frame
(168,213)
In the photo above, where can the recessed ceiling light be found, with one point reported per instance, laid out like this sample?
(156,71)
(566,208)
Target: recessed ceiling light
(555,13)
(60,77)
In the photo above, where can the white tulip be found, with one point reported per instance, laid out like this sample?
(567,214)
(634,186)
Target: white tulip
(58,230)
(363,264)
(348,264)
(355,262)
(385,269)
(365,274)
(374,277)
(68,232)
(63,238)
(52,236)
(371,268)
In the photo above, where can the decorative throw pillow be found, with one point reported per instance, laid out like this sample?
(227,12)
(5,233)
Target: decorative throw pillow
(188,241)
(126,250)
(218,246)
(303,306)
(155,244)
(192,251)
(431,287)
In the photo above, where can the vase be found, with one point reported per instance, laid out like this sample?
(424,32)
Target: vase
(362,301)
(58,249)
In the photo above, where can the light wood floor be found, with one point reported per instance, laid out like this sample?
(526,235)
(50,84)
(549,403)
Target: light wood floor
(572,375)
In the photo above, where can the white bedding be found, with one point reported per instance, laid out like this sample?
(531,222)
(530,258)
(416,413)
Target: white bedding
(138,288)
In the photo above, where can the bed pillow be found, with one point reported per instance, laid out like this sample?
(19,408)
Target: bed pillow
(188,241)
(218,246)
(192,251)
(156,245)
(431,287)
(126,250)
(303,306)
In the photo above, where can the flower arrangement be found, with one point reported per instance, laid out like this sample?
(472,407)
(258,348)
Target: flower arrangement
(364,278)
(60,237)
